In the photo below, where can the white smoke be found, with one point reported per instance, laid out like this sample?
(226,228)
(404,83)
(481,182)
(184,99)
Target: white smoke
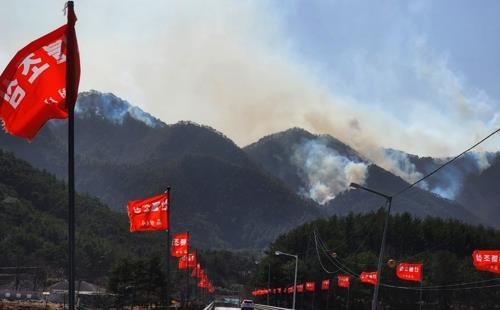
(395,162)
(482,160)
(326,172)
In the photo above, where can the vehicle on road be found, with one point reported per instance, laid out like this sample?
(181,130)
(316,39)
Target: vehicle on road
(226,303)
(247,304)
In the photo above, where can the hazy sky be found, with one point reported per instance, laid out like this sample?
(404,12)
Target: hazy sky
(421,76)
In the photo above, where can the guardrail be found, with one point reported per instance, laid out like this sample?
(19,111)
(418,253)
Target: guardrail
(210,306)
(266,307)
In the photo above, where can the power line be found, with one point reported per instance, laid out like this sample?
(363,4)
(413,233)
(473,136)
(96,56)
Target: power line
(449,287)
(445,164)
(415,288)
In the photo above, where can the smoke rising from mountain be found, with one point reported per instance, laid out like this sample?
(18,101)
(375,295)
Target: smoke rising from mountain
(233,65)
(325,171)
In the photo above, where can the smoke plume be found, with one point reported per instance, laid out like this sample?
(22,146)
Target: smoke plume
(326,172)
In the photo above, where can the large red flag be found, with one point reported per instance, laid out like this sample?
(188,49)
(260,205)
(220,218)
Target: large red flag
(149,214)
(33,85)
(487,260)
(343,281)
(180,244)
(410,272)
(369,277)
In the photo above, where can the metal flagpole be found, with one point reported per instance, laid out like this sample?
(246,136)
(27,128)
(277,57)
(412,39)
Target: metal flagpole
(186,295)
(328,298)
(421,302)
(348,291)
(71,96)
(167,290)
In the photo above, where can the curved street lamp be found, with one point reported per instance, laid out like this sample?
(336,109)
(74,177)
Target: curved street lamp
(382,245)
(278,253)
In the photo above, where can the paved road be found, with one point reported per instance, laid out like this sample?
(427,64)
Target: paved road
(225,308)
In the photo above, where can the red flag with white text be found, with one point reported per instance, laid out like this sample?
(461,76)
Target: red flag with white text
(300,288)
(343,281)
(187,261)
(487,260)
(409,271)
(33,85)
(180,245)
(369,277)
(150,214)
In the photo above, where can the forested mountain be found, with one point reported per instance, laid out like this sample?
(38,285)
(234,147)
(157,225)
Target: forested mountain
(349,245)
(231,197)
(33,230)
(481,191)
(218,193)
(33,234)
(308,163)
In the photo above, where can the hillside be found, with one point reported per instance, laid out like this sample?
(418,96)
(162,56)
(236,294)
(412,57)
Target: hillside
(349,245)
(219,194)
(481,192)
(33,226)
(33,233)
(326,162)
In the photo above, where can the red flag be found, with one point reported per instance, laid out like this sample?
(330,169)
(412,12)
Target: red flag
(300,288)
(325,285)
(343,281)
(310,286)
(33,85)
(192,261)
(290,290)
(487,260)
(180,245)
(203,283)
(149,214)
(183,262)
(369,277)
(409,272)
(187,261)
(197,271)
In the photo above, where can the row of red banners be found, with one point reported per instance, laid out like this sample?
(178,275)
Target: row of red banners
(404,271)
(152,214)
(180,249)
(486,260)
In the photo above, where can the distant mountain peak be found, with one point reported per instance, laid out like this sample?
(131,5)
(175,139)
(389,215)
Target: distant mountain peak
(112,108)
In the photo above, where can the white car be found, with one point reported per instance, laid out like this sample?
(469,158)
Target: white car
(247,304)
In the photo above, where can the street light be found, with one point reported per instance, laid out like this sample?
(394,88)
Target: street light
(268,282)
(278,253)
(382,245)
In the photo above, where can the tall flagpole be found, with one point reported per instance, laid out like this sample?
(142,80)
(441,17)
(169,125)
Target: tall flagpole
(186,296)
(167,291)
(71,95)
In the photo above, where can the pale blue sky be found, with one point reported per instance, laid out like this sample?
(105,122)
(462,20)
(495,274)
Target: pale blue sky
(421,76)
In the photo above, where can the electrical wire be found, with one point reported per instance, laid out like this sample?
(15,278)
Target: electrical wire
(423,288)
(449,287)
(445,164)
(319,257)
